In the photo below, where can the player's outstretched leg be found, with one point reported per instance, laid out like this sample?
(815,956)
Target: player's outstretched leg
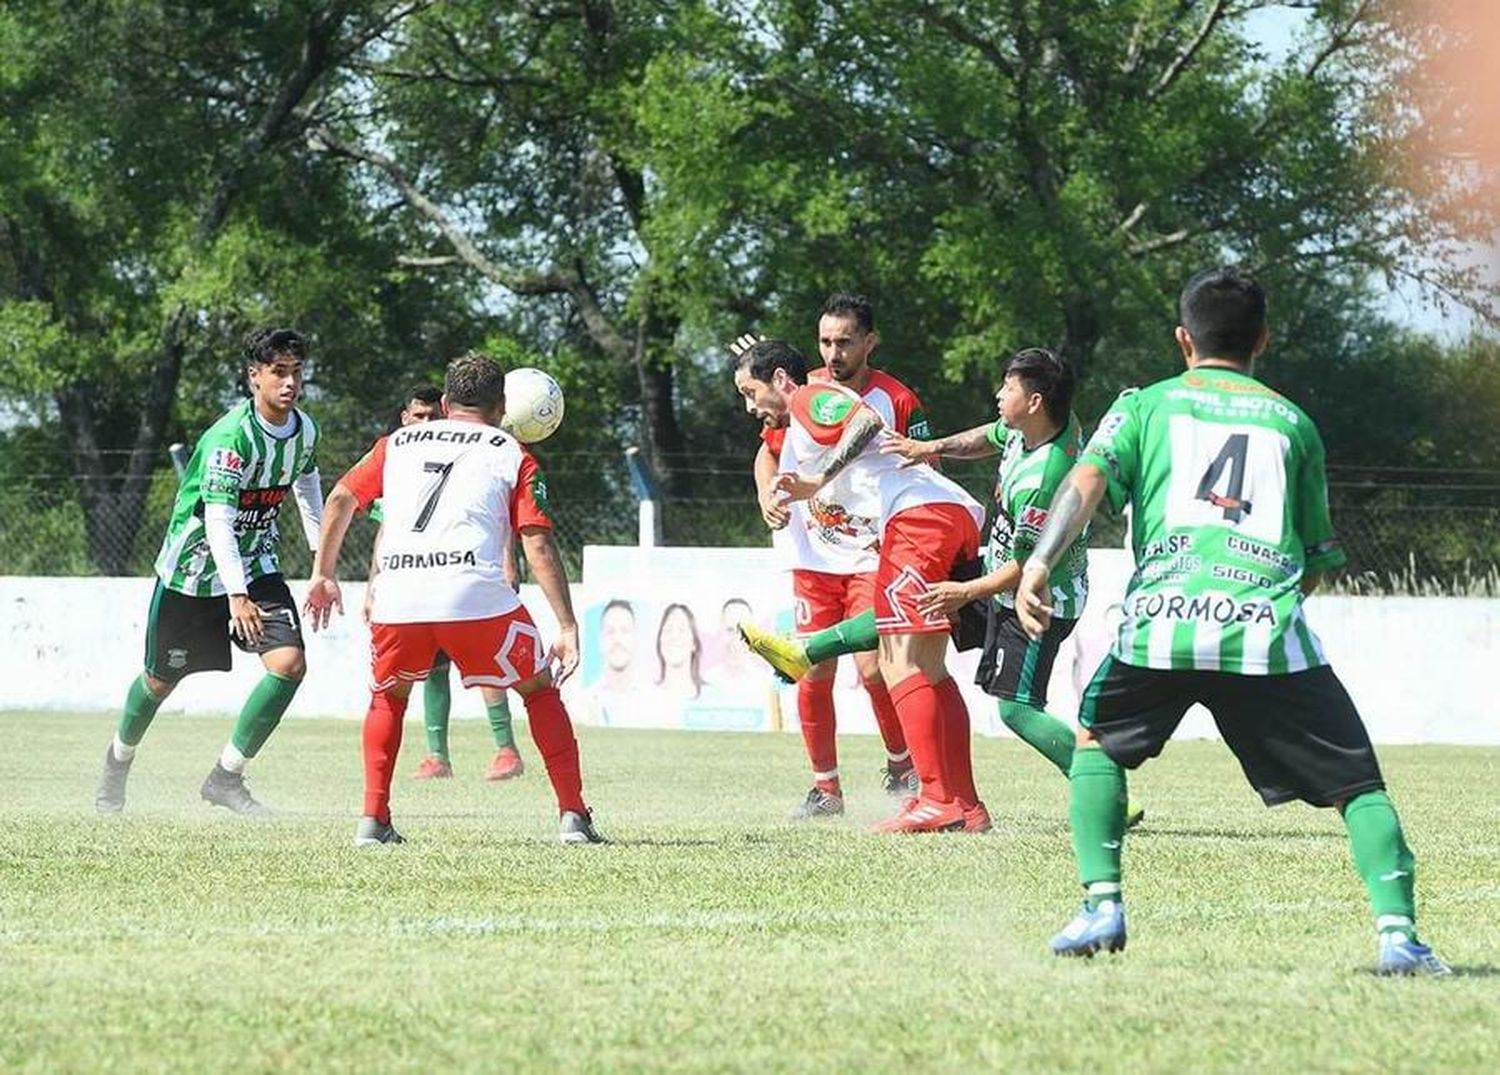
(507,763)
(553,732)
(225,784)
(785,654)
(382,742)
(141,703)
(1053,740)
(1389,870)
(1097,813)
(437,703)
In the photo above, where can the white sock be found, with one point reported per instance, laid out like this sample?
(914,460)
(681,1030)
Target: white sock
(897,759)
(123,751)
(231,760)
(832,774)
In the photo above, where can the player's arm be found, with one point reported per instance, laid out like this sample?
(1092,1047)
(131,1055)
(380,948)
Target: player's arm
(976,443)
(355,490)
(545,561)
(772,510)
(308,492)
(1074,505)
(950,595)
(1322,552)
(861,427)
(220,485)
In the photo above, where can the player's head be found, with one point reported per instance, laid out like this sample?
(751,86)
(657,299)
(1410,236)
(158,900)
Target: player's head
(475,384)
(1038,382)
(617,634)
(846,335)
(273,366)
(1223,315)
(678,648)
(765,375)
(423,405)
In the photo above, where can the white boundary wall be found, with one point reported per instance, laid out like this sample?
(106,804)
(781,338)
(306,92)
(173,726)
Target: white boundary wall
(1419,668)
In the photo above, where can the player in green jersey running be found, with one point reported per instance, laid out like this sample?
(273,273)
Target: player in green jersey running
(423,405)
(1229,499)
(217,574)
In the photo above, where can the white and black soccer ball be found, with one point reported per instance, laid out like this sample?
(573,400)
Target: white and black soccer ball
(533,405)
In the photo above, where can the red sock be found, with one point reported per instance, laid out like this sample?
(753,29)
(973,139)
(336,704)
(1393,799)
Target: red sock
(958,754)
(917,702)
(382,739)
(885,716)
(552,732)
(815,712)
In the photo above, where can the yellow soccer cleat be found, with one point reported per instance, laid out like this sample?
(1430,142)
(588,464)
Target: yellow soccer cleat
(1135,813)
(787,655)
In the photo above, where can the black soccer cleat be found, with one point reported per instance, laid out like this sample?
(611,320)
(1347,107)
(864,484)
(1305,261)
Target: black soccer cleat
(576,828)
(226,789)
(109,796)
(372,833)
(818,804)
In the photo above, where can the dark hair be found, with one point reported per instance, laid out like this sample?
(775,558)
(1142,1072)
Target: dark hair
(474,380)
(265,345)
(1224,310)
(845,304)
(1049,375)
(616,602)
(426,393)
(765,357)
(697,655)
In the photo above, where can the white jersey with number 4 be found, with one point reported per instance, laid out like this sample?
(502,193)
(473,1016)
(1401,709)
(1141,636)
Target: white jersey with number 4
(453,493)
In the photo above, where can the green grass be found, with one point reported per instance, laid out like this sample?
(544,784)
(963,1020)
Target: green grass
(713,936)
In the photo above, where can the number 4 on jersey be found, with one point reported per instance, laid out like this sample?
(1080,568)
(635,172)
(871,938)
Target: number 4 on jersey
(1231,455)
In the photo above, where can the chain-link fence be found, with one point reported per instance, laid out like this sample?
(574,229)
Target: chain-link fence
(1405,531)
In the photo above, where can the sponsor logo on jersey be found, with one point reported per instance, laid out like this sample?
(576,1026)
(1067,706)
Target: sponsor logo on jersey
(917,427)
(405,561)
(1109,425)
(540,495)
(1261,554)
(1203,608)
(419,435)
(1243,574)
(837,525)
(1183,566)
(1033,517)
(830,408)
(177,658)
(226,459)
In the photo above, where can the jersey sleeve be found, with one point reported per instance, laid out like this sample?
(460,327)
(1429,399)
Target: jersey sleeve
(911,416)
(310,463)
(528,500)
(366,479)
(997,434)
(1313,523)
(223,472)
(773,437)
(824,411)
(1115,447)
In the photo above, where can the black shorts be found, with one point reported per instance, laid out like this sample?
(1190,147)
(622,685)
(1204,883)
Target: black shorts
(1296,736)
(441,663)
(1014,667)
(191,634)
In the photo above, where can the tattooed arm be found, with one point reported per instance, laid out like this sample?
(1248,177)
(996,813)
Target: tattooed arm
(861,429)
(970,444)
(1072,508)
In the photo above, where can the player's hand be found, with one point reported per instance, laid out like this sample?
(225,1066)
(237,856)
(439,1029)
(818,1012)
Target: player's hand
(369,603)
(744,342)
(323,596)
(911,451)
(245,620)
(772,509)
(789,487)
(562,658)
(944,598)
(1032,595)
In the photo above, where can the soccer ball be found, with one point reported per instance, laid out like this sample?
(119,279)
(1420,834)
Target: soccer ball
(533,405)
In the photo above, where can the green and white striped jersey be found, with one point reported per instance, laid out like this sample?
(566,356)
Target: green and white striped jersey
(1229,510)
(236,462)
(1023,493)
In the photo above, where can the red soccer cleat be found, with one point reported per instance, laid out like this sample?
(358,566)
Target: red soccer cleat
(505,765)
(925,815)
(433,768)
(977,819)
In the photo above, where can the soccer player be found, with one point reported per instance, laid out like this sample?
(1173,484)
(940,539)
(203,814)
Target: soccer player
(423,405)
(456,491)
(923,523)
(1229,501)
(217,575)
(834,557)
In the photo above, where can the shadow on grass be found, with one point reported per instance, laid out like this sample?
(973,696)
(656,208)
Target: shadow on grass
(1258,835)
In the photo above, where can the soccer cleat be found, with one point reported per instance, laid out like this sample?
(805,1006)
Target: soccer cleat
(788,656)
(372,833)
(925,815)
(977,819)
(900,779)
(505,765)
(433,768)
(819,803)
(576,828)
(109,796)
(1135,813)
(1100,930)
(226,789)
(1402,956)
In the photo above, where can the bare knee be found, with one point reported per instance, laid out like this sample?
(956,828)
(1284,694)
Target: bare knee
(288,662)
(158,688)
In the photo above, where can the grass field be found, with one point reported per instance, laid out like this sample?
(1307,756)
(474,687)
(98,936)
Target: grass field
(713,936)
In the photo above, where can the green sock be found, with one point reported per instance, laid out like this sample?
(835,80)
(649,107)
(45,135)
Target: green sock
(1383,860)
(1051,737)
(500,723)
(262,712)
(437,700)
(854,635)
(140,708)
(1097,812)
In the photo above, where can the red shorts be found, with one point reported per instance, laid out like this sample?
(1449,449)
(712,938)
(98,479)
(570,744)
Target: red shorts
(920,546)
(822,599)
(497,652)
